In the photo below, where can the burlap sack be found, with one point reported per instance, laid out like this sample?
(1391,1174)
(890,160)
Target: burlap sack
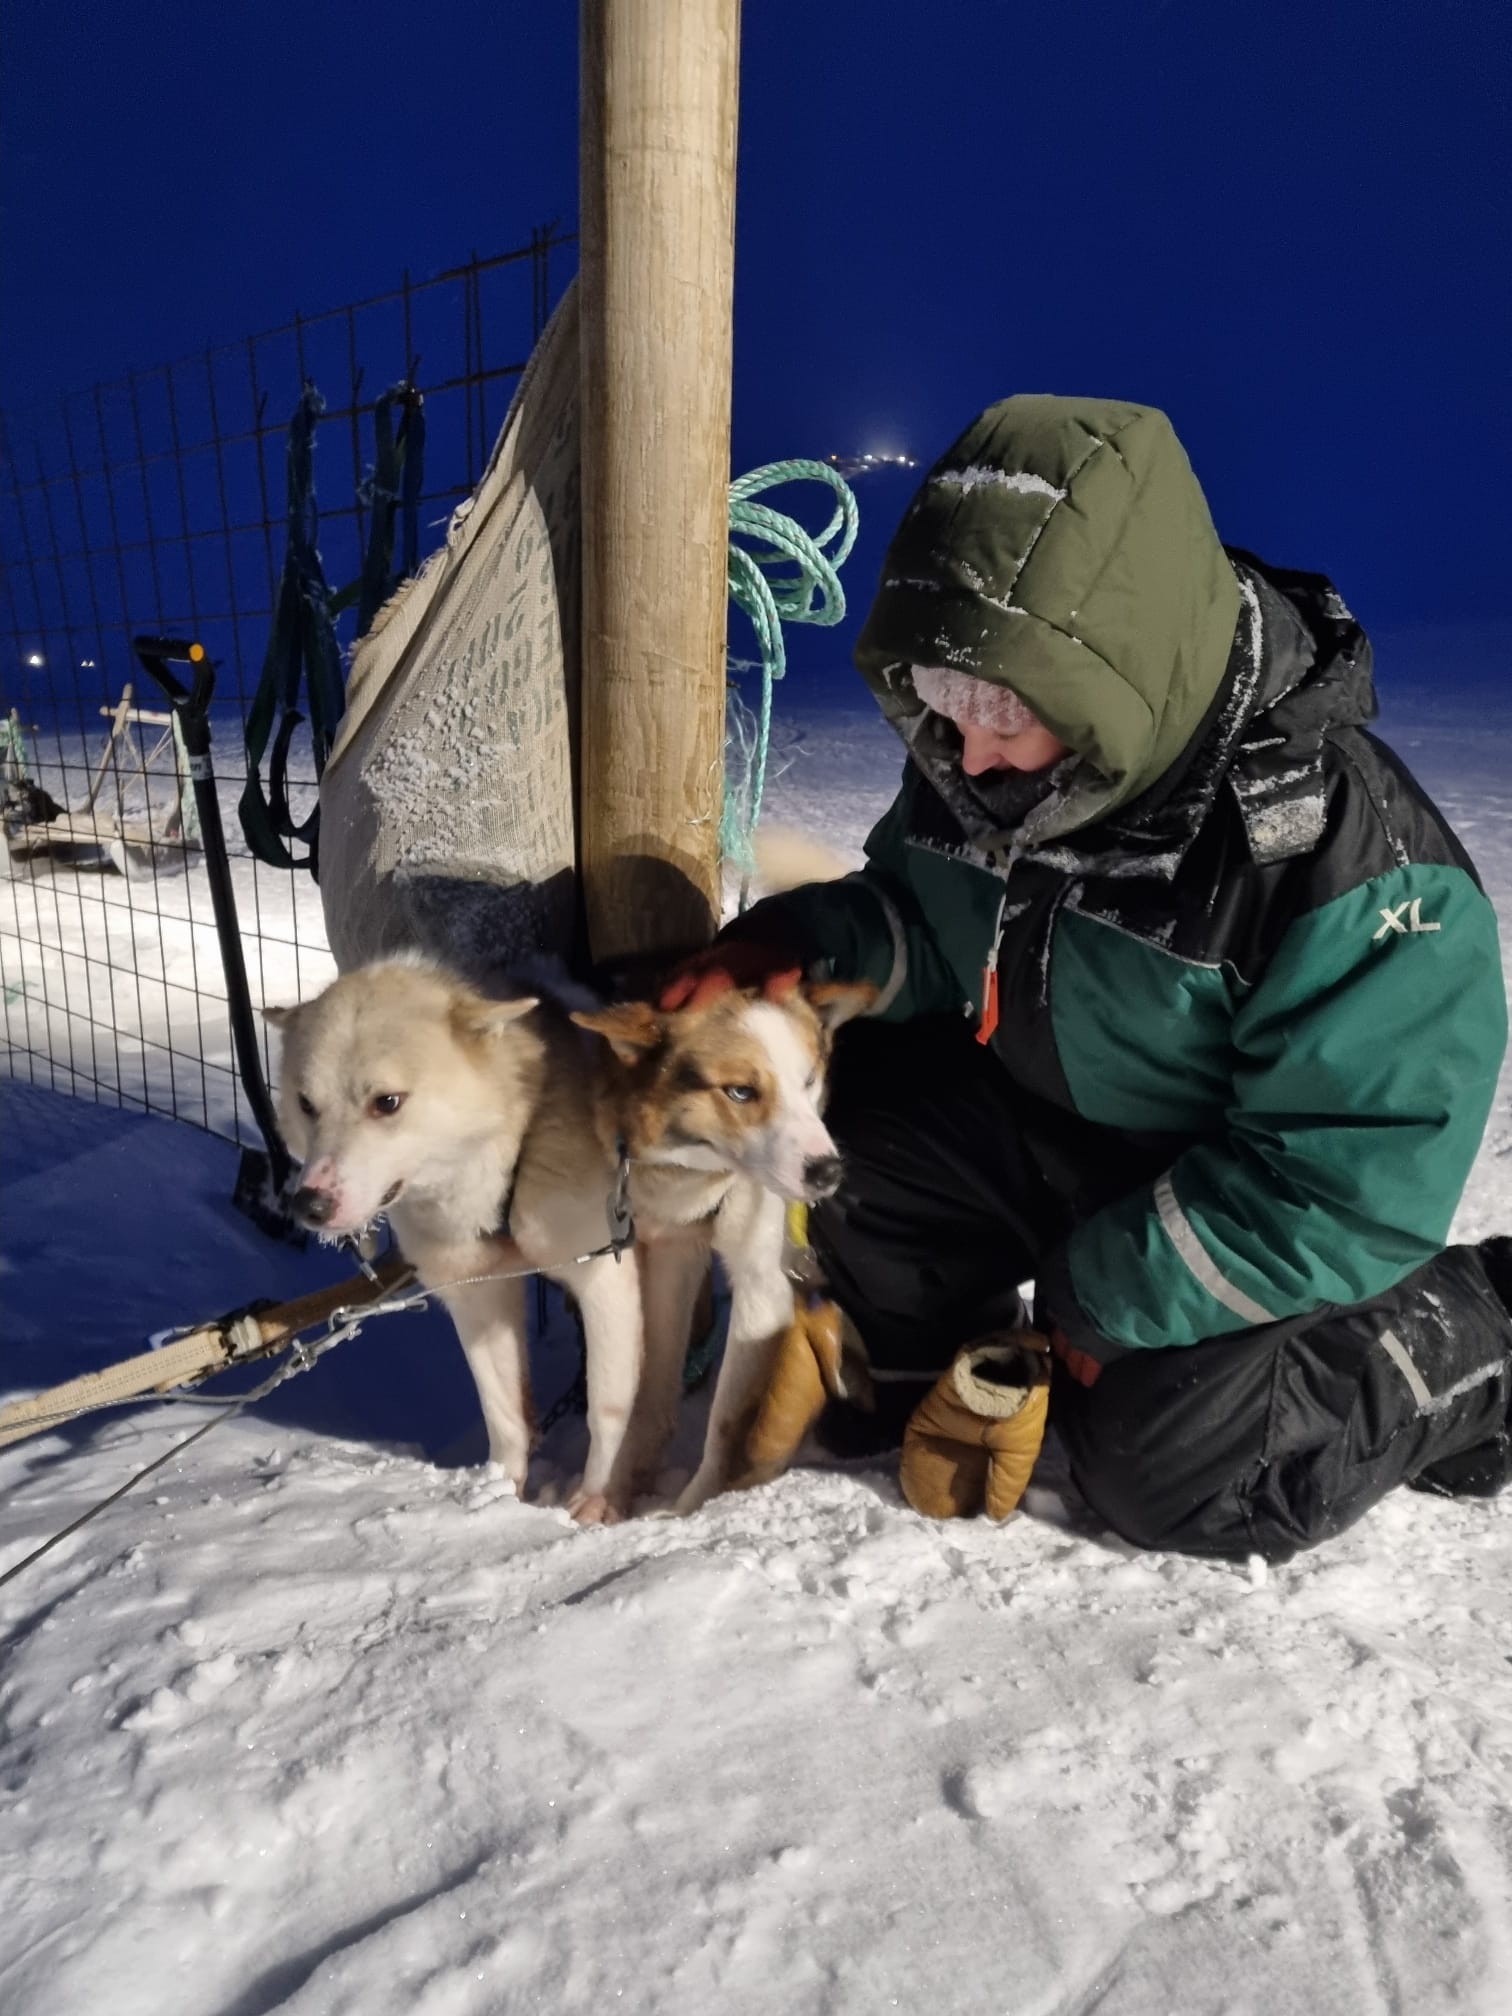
(446,809)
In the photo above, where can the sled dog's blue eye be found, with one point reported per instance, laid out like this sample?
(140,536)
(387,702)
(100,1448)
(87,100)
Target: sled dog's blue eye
(741,1094)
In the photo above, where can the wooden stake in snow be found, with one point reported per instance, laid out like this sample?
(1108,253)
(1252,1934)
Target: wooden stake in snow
(658,123)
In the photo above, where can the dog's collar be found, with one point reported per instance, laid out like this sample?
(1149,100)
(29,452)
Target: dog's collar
(621,1220)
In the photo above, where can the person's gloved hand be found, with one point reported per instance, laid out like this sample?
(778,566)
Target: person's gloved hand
(808,1371)
(971,1442)
(775,969)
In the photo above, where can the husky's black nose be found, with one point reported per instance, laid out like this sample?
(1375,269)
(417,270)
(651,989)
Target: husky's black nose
(313,1206)
(821,1176)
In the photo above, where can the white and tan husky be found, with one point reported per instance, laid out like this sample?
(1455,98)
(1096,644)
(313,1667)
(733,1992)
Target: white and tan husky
(493,1136)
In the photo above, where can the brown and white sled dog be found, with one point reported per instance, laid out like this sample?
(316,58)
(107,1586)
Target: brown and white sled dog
(720,1110)
(406,1093)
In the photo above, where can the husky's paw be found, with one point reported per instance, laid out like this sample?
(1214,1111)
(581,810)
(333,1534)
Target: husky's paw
(594,1508)
(695,1495)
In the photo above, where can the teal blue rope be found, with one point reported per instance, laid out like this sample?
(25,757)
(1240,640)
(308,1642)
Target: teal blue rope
(789,578)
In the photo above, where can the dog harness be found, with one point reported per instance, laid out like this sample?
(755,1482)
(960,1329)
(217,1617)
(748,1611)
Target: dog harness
(621,1219)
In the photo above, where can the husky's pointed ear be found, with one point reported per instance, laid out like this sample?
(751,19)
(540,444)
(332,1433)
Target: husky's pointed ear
(632,1029)
(837,1001)
(475,1016)
(278,1018)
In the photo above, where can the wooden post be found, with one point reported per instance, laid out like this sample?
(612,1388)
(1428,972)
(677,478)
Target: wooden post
(658,122)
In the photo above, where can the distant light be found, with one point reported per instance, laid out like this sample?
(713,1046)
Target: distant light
(860,464)
(86,664)
(35,658)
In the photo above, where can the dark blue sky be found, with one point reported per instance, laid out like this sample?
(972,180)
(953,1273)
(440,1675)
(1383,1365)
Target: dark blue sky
(1287,224)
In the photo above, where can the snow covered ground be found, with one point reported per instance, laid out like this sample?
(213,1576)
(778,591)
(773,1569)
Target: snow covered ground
(322,1720)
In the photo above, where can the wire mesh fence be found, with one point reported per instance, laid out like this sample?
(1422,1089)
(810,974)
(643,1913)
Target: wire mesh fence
(156,504)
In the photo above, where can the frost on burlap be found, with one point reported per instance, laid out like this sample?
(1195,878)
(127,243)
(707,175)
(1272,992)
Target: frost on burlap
(447,806)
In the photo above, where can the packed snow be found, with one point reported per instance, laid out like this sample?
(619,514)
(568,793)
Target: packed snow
(323,1720)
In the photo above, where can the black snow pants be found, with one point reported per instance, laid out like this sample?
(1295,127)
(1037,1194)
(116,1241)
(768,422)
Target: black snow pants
(958,1183)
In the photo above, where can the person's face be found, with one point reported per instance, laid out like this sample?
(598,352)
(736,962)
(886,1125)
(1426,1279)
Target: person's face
(983,749)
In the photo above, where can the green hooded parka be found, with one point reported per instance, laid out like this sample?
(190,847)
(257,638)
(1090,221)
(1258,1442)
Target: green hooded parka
(1228,929)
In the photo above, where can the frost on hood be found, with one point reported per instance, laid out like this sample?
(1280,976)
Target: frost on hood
(983,475)
(1263,739)
(1008,608)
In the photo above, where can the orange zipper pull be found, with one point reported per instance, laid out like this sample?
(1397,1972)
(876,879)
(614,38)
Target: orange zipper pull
(990,971)
(989,1004)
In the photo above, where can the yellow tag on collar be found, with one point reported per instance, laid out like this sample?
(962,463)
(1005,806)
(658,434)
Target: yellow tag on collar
(797,1226)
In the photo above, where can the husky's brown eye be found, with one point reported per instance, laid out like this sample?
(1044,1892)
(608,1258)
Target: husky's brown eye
(384,1103)
(307,1107)
(741,1094)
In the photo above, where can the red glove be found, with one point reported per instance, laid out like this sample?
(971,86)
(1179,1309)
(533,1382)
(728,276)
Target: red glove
(1083,1367)
(707,975)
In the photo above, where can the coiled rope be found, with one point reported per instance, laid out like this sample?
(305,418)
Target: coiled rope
(786,575)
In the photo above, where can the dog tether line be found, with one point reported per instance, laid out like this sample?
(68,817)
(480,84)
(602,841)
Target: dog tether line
(301,1357)
(343,1323)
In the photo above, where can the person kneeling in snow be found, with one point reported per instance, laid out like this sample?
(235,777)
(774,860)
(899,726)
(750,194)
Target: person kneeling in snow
(1191,1010)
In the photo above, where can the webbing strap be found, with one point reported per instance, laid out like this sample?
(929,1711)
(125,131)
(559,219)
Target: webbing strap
(303,653)
(177,1364)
